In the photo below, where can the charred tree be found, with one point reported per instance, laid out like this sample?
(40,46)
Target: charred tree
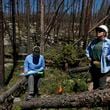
(87,21)
(82,19)
(42,26)
(1,47)
(14,32)
(13,42)
(27,23)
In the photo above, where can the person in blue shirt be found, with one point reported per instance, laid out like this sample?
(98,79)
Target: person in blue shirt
(98,53)
(34,66)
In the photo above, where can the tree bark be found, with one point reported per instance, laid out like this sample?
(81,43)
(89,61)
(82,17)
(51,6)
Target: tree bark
(14,33)
(79,69)
(1,47)
(96,98)
(15,89)
(42,26)
(88,13)
(82,19)
(27,23)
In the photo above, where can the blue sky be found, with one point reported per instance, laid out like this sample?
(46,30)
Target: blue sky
(5,4)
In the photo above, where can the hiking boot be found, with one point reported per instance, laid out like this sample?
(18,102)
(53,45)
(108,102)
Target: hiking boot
(29,97)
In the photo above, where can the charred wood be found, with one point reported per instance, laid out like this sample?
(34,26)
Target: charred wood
(96,98)
(15,90)
(78,69)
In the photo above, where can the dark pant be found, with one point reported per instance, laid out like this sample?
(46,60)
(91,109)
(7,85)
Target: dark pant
(98,78)
(33,84)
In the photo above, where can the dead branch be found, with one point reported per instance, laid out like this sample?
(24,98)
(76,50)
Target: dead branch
(52,21)
(102,20)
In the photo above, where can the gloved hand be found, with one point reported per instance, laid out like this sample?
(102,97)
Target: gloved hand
(97,64)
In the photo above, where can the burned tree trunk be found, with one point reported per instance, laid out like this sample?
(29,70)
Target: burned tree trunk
(14,33)
(42,26)
(96,98)
(1,47)
(27,23)
(87,21)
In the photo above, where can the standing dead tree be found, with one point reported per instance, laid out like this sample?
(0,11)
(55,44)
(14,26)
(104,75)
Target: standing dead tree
(14,32)
(1,47)
(52,21)
(13,38)
(87,21)
(42,26)
(27,23)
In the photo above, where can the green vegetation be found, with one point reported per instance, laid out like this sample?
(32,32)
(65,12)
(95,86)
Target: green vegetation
(8,68)
(54,78)
(61,54)
(16,108)
(15,76)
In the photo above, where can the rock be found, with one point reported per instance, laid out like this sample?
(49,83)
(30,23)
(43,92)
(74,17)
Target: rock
(17,99)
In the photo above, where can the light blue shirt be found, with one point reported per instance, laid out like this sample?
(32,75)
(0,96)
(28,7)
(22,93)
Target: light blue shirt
(105,54)
(30,67)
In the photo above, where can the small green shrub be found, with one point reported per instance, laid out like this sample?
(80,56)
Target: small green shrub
(69,54)
(80,85)
(16,107)
(52,88)
(8,69)
(53,79)
(61,54)
(68,85)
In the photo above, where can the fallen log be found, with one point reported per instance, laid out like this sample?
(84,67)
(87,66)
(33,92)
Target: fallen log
(96,98)
(79,69)
(13,90)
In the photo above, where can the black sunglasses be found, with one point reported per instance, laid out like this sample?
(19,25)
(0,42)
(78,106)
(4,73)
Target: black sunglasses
(99,30)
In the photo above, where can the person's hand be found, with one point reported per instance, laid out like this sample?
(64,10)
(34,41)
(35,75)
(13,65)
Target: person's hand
(23,74)
(96,63)
(89,59)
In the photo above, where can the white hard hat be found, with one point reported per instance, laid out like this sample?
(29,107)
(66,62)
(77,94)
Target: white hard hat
(104,27)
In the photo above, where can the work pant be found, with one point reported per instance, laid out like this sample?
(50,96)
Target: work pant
(99,79)
(33,84)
